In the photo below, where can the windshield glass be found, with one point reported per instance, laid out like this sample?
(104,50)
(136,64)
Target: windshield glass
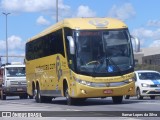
(15,71)
(104,51)
(149,76)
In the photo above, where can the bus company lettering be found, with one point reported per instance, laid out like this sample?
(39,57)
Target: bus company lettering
(46,67)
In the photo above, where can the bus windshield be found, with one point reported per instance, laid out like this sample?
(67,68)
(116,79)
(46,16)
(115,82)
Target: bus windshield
(107,51)
(15,71)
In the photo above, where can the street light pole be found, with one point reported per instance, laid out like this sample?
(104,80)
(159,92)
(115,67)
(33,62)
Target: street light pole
(56,10)
(6,14)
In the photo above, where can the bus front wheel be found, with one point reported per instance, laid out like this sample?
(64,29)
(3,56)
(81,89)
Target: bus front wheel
(117,99)
(70,100)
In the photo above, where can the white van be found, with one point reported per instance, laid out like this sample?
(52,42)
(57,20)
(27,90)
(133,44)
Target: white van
(13,81)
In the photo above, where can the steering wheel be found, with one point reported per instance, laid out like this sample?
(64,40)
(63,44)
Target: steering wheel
(92,62)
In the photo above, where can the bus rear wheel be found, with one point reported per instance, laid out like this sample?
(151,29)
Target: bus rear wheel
(117,99)
(70,100)
(38,97)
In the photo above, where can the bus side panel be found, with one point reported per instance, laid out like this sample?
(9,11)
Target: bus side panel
(48,73)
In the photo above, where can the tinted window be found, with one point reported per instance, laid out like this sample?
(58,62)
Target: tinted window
(45,46)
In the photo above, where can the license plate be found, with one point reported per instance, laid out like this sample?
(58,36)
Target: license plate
(109,91)
(19,89)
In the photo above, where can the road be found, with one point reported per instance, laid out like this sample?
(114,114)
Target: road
(94,108)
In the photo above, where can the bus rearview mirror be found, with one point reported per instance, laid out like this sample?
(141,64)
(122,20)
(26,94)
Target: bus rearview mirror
(137,43)
(71,45)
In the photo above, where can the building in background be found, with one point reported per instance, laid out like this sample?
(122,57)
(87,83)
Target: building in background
(149,57)
(138,57)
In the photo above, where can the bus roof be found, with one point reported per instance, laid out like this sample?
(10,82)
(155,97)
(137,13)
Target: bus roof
(83,24)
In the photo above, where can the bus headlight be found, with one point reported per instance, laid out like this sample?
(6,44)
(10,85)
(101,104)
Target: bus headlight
(129,80)
(83,82)
(92,84)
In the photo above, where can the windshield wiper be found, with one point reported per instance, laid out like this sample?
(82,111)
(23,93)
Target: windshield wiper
(102,60)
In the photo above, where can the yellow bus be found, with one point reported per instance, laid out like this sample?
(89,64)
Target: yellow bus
(80,58)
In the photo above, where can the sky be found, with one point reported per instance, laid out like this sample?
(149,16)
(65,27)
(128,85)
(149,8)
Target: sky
(29,17)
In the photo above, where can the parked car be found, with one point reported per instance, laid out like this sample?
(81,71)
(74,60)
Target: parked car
(147,84)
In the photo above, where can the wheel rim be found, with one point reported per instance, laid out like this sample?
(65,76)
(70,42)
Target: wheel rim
(138,94)
(67,96)
(39,96)
(35,93)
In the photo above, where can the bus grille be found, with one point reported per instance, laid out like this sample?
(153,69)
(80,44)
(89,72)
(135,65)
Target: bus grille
(18,82)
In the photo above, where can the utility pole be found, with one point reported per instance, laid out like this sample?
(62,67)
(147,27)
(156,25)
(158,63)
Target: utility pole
(6,14)
(56,10)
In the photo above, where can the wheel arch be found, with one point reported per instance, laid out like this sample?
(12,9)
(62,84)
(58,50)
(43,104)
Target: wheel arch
(33,87)
(37,84)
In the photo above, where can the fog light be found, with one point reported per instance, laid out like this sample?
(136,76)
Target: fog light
(130,89)
(83,92)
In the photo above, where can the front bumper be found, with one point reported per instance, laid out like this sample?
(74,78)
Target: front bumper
(14,90)
(150,91)
(83,91)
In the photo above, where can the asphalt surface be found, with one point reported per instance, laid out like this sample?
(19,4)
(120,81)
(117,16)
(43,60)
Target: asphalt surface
(91,109)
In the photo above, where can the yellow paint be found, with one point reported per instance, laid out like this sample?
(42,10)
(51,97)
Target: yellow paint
(44,72)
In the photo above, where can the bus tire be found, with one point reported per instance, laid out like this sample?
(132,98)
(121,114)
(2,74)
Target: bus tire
(70,100)
(39,98)
(117,99)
